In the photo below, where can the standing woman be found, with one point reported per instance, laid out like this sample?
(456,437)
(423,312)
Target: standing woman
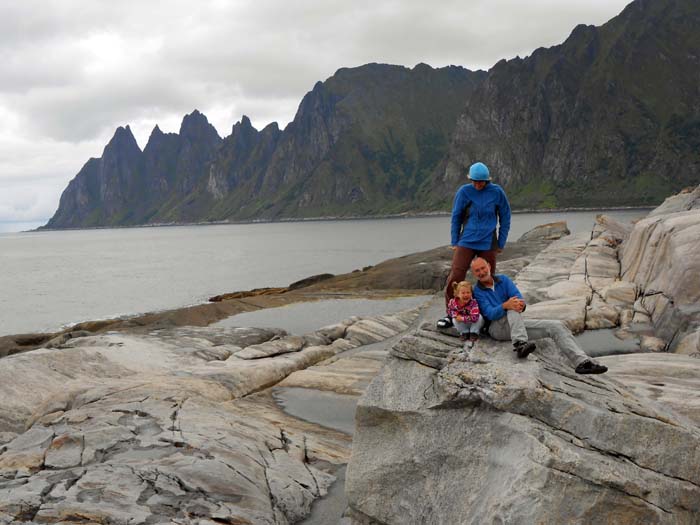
(480,225)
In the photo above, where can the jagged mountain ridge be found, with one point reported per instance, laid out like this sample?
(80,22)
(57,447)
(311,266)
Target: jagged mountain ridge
(610,117)
(367,140)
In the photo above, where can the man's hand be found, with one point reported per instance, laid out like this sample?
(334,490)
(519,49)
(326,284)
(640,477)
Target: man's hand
(514,303)
(453,248)
(520,304)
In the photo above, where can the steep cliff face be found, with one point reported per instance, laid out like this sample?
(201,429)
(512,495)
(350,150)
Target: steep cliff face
(367,140)
(609,117)
(127,186)
(196,145)
(105,189)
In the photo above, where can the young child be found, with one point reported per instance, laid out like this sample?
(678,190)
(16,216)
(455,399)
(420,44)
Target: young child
(465,314)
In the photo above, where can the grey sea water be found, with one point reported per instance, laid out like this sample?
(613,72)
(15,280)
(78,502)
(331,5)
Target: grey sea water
(51,279)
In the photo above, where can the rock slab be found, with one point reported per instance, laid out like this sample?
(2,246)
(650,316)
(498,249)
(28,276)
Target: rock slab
(488,438)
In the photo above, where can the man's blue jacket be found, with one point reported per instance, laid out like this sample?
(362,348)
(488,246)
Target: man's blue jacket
(487,209)
(491,301)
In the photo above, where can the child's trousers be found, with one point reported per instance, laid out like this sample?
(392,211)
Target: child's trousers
(468,328)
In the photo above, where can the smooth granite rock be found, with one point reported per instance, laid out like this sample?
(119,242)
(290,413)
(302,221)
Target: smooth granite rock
(570,310)
(599,314)
(550,266)
(551,231)
(620,294)
(670,379)
(661,257)
(489,438)
(610,228)
(175,426)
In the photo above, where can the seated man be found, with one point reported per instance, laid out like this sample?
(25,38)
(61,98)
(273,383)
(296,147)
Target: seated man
(502,303)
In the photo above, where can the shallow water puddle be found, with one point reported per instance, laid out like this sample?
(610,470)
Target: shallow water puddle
(598,343)
(336,411)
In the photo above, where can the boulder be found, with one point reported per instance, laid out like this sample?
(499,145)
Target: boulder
(688,199)
(660,256)
(649,343)
(620,293)
(290,343)
(570,310)
(569,289)
(690,344)
(611,229)
(549,232)
(550,266)
(489,438)
(600,314)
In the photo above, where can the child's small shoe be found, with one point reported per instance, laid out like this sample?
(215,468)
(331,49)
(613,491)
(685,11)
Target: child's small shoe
(464,336)
(473,338)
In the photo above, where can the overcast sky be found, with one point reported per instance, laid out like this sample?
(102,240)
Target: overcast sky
(71,71)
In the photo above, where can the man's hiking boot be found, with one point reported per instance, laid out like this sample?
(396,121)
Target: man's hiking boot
(590,367)
(524,348)
(445,322)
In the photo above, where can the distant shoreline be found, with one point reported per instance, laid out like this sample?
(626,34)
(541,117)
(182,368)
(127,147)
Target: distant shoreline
(404,215)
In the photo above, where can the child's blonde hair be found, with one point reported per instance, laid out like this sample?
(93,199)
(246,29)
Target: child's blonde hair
(457,286)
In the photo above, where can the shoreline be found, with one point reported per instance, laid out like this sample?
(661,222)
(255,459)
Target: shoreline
(403,215)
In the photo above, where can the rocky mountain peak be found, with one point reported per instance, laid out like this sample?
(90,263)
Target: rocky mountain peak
(271,128)
(195,126)
(243,128)
(244,122)
(422,67)
(155,139)
(607,118)
(122,141)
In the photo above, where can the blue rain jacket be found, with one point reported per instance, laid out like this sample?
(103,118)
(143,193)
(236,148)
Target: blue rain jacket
(491,301)
(487,209)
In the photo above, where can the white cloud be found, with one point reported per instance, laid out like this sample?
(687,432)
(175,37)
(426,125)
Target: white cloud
(74,70)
